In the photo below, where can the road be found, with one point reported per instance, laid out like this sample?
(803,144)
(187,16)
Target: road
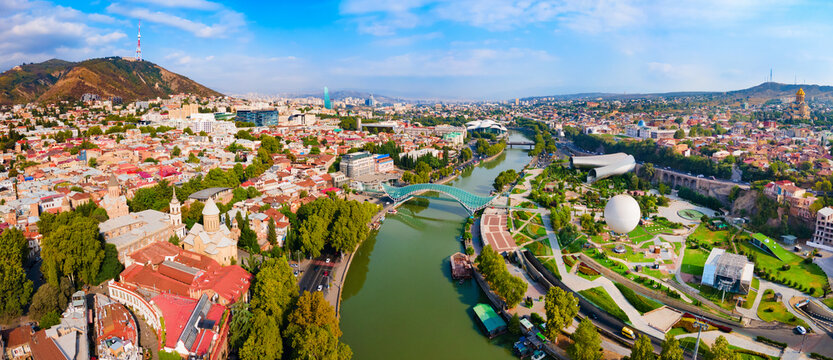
(318,272)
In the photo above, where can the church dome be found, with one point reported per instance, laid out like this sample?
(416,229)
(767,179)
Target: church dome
(641,123)
(210,208)
(800,92)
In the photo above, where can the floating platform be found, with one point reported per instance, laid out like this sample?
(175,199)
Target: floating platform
(460,266)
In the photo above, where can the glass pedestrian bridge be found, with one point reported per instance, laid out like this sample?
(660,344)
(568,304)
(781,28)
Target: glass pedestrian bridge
(471,202)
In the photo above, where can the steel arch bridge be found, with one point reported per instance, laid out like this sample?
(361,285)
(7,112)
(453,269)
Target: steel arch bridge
(471,202)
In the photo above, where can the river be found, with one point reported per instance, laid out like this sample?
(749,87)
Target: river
(399,301)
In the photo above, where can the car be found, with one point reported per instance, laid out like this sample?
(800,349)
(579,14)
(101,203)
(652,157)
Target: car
(800,330)
(320,287)
(328,260)
(297,273)
(326,273)
(628,333)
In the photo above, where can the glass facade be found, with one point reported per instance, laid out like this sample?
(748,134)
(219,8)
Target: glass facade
(258,117)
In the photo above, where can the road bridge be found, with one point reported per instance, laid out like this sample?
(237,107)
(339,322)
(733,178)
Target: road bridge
(528,144)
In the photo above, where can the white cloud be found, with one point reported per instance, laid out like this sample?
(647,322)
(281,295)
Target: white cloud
(38,31)
(184,4)
(384,18)
(227,22)
(455,63)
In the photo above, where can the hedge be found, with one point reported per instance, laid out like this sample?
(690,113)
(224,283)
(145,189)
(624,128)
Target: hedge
(771,342)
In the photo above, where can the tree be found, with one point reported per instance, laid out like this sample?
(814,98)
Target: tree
(514,326)
(274,287)
(15,289)
(49,298)
(586,342)
(74,251)
(561,307)
(92,162)
(176,151)
(313,331)
(271,233)
(679,134)
(264,341)
(193,159)
(721,351)
(642,349)
(95,130)
(671,348)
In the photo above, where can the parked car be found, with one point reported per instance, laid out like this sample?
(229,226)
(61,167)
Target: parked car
(320,287)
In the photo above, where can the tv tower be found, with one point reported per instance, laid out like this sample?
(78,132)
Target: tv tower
(139,43)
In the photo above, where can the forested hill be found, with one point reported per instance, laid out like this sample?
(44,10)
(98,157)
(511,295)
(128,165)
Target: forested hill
(56,80)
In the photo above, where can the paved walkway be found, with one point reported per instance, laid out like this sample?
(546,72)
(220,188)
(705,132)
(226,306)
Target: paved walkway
(709,337)
(787,294)
(577,283)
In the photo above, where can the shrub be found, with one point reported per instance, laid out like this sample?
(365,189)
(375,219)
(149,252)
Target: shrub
(771,342)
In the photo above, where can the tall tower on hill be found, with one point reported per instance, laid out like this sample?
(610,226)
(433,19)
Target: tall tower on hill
(139,43)
(327,103)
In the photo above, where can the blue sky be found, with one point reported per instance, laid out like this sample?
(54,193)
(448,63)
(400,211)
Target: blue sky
(464,49)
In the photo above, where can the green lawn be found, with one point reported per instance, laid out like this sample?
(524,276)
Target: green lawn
(750,299)
(771,310)
(656,229)
(588,277)
(639,235)
(803,275)
(537,220)
(599,297)
(552,267)
(522,215)
(597,239)
(639,302)
(520,239)
(705,236)
(656,274)
(534,231)
(828,302)
(517,223)
(539,249)
(629,255)
(717,297)
(693,261)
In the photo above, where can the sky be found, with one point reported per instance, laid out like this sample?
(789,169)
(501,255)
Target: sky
(455,49)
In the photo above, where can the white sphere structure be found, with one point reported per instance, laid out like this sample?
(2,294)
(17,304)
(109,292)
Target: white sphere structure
(622,214)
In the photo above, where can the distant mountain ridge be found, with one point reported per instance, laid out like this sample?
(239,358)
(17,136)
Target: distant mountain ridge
(56,80)
(761,92)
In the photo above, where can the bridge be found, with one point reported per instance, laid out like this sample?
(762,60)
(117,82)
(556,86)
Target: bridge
(529,144)
(471,202)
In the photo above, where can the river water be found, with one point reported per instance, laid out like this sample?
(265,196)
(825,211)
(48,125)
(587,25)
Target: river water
(399,301)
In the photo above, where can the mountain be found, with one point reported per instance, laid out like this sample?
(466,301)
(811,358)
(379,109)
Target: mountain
(755,94)
(56,80)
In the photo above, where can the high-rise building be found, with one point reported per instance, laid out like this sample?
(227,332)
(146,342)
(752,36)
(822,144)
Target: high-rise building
(327,103)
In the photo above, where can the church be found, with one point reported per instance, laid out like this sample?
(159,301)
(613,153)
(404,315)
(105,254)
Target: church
(114,202)
(211,239)
(798,109)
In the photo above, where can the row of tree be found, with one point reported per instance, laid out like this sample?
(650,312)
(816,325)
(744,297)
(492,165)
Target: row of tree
(329,223)
(15,288)
(484,148)
(493,268)
(279,324)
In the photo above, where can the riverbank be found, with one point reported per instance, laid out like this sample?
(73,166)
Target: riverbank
(400,295)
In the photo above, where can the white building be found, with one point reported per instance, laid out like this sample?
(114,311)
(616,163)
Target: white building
(726,271)
(823,237)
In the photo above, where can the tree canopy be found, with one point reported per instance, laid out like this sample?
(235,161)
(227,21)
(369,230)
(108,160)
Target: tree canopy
(330,222)
(493,268)
(15,289)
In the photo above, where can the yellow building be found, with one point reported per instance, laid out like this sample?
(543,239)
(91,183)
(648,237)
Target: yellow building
(798,109)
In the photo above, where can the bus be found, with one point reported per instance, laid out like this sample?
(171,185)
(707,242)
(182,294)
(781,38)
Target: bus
(628,333)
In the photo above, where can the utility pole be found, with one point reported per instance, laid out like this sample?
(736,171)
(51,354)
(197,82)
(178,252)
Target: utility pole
(699,331)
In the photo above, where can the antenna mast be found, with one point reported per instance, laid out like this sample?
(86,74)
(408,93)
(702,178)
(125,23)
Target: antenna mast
(139,43)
